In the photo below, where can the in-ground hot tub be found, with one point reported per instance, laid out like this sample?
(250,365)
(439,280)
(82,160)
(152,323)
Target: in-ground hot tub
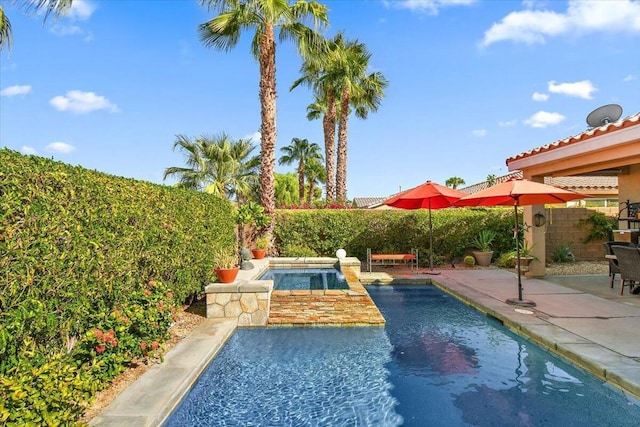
(305,278)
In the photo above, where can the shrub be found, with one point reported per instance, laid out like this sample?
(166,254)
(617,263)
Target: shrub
(298,251)
(598,225)
(563,254)
(93,269)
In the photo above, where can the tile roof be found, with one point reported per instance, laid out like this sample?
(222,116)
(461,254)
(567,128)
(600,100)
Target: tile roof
(367,202)
(633,120)
(576,183)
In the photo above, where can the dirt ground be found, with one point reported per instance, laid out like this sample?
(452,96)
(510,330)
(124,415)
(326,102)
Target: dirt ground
(191,316)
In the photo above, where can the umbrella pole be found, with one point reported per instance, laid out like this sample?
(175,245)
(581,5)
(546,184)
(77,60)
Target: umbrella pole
(430,239)
(431,243)
(518,253)
(520,302)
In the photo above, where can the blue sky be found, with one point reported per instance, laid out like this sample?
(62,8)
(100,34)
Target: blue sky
(471,83)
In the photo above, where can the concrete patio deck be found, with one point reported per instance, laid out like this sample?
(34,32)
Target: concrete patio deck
(579,317)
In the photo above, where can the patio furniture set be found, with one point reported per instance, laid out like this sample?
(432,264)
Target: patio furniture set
(624,260)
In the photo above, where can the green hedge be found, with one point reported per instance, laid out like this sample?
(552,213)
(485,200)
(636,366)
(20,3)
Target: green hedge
(92,268)
(322,232)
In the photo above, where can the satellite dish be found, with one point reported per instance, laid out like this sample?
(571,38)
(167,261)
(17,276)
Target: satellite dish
(604,115)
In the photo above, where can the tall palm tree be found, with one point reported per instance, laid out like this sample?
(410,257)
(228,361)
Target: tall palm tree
(312,69)
(325,108)
(302,151)
(315,174)
(454,182)
(217,165)
(56,7)
(363,92)
(264,16)
(337,73)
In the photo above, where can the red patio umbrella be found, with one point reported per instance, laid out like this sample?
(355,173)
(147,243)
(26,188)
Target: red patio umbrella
(519,192)
(426,196)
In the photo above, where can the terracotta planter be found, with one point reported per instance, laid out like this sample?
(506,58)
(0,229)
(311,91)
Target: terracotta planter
(227,275)
(483,258)
(258,253)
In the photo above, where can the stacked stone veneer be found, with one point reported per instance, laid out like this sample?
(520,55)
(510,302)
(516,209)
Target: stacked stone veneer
(248,300)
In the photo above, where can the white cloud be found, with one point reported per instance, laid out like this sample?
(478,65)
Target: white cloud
(542,119)
(430,7)
(630,78)
(60,147)
(536,26)
(28,150)
(507,123)
(540,97)
(81,10)
(15,90)
(65,30)
(582,89)
(80,102)
(479,133)
(255,137)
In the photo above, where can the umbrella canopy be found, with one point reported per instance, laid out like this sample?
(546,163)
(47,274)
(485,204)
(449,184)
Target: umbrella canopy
(519,192)
(426,196)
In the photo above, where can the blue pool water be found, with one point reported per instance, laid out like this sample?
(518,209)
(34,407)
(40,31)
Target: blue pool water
(305,278)
(437,362)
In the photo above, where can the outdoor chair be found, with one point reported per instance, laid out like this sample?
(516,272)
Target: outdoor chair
(613,263)
(629,265)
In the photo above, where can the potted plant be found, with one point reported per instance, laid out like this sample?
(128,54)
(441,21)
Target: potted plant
(482,243)
(261,245)
(227,265)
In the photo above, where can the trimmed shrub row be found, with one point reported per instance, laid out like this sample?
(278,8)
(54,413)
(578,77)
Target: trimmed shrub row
(322,232)
(92,268)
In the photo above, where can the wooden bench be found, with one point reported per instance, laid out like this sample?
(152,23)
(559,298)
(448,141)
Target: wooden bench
(410,259)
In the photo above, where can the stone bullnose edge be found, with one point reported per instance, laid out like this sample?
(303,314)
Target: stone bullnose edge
(256,286)
(240,286)
(128,409)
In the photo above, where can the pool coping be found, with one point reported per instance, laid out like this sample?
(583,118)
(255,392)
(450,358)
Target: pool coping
(153,397)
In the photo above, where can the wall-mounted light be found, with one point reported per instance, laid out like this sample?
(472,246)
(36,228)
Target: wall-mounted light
(539,220)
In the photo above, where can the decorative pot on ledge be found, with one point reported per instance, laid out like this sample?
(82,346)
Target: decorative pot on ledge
(227,275)
(258,253)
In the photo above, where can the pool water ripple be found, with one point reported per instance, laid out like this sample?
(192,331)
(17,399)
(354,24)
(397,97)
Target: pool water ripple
(437,362)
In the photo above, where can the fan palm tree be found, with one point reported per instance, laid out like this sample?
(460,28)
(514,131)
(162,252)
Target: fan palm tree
(56,7)
(454,182)
(302,151)
(264,16)
(337,73)
(357,89)
(312,69)
(217,165)
(315,174)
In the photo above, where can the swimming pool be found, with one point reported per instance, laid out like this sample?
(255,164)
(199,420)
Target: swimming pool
(305,278)
(437,362)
